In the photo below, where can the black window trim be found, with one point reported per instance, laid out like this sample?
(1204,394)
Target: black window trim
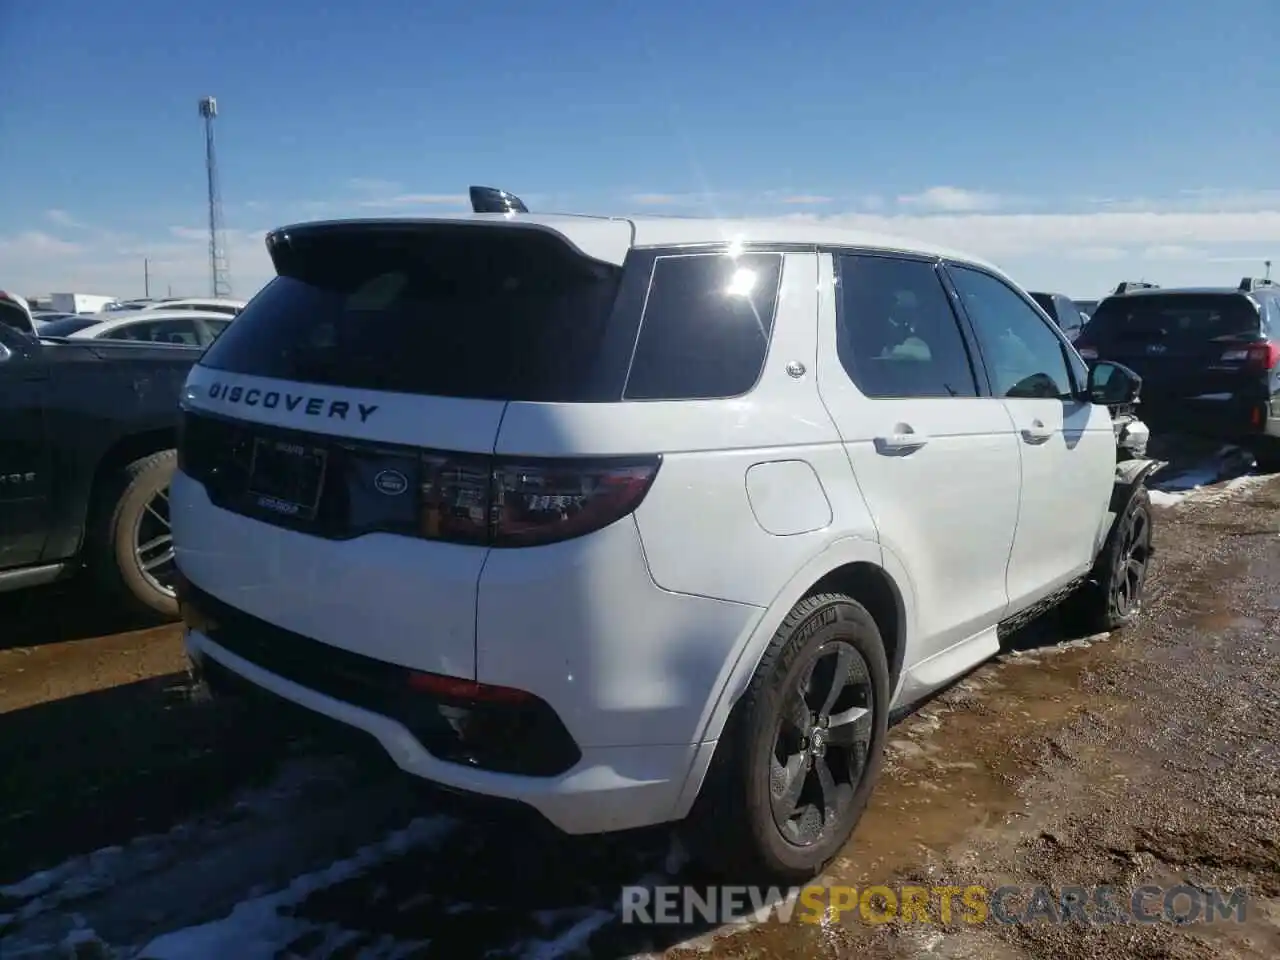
(981,378)
(1064,344)
(632,303)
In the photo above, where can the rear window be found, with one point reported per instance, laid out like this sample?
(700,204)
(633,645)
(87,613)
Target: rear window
(706,326)
(461,312)
(1174,317)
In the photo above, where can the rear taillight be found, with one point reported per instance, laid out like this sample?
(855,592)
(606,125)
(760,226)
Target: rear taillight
(527,502)
(457,690)
(1255,356)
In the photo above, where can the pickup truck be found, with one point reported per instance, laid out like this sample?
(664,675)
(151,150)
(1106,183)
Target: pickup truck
(87,436)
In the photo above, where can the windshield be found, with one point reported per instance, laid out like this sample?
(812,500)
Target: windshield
(1175,317)
(66,326)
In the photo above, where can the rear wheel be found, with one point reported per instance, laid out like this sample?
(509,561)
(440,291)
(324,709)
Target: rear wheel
(802,750)
(130,545)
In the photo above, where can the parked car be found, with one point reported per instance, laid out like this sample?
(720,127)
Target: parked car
(1209,359)
(632,521)
(1061,311)
(40,317)
(67,325)
(87,431)
(15,312)
(221,305)
(185,327)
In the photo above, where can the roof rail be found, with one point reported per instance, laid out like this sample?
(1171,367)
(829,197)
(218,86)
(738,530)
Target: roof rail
(1249,284)
(493,200)
(1131,285)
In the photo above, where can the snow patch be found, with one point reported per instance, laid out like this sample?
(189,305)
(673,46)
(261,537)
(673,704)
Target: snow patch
(262,926)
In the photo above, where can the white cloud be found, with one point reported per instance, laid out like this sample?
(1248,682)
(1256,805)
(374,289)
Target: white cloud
(64,219)
(1183,239)
(1095,254)
(406,200)
(35,263)
(373,185)
(658,199)
(1173,251)
(802,199)
(951,200)
(35,243)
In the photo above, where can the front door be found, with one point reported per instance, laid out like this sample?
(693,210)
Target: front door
(1067,444)
(24,452)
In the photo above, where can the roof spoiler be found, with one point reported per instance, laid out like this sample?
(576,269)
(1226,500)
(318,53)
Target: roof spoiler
(1250,284)
(1130,285)
(493,200)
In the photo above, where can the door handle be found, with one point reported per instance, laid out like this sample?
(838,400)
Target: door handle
(903,439)
(1037,432)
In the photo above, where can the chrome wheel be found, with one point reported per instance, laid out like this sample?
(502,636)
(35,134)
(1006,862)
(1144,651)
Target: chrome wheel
(153,544)
(1131,563)
(822,744)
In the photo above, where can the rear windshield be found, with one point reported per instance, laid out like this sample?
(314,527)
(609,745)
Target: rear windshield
(464,312)
(66,326)
(1184,317)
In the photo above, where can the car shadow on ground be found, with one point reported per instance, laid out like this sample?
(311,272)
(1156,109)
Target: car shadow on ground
(99,768)
(59,613)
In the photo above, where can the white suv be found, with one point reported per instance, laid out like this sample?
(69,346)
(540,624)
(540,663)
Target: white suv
(634,521)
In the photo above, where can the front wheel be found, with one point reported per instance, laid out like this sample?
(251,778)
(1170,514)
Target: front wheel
(130,546)
(802,750)
(1112,599)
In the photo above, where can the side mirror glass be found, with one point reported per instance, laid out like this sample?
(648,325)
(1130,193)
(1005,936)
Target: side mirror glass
(1113,384)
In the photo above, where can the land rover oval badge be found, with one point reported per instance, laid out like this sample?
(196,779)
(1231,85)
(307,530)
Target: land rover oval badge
(392,483)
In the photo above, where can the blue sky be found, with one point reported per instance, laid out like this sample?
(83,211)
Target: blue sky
(1075,145)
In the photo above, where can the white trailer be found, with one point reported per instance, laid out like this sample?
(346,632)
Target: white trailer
(78,302)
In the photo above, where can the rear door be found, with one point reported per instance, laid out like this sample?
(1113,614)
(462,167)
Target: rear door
(371,375)
(1184,345)
(935,456)
(24,450)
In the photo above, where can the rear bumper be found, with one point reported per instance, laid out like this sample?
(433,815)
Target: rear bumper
(609,789)
(1222,416)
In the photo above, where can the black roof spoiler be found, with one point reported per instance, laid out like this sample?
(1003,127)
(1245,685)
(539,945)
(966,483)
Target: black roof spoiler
(1130,285)
(493,200)
(1250,284)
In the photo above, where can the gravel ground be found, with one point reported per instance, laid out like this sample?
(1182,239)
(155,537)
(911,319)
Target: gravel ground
(1150,757)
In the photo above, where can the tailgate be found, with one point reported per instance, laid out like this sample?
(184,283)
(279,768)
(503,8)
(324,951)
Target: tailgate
(344,425)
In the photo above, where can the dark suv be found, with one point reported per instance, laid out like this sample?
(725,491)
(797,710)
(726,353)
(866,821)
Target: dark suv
(1062,311)
(1208,357)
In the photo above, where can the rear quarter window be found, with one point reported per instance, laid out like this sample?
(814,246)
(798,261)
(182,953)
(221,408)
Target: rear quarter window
(706,326)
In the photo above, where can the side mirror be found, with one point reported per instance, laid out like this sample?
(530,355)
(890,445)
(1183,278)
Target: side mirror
(1113,384)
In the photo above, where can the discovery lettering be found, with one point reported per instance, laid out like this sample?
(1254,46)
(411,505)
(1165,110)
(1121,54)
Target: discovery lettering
(312,406)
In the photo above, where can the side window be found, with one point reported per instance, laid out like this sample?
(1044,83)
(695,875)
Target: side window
(1026,359)
(130,331)
(1069,318)
(210,329)
(706,326)
(175,331)
(896,333)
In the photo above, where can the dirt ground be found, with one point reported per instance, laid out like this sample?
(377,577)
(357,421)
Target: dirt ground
(1151,757)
